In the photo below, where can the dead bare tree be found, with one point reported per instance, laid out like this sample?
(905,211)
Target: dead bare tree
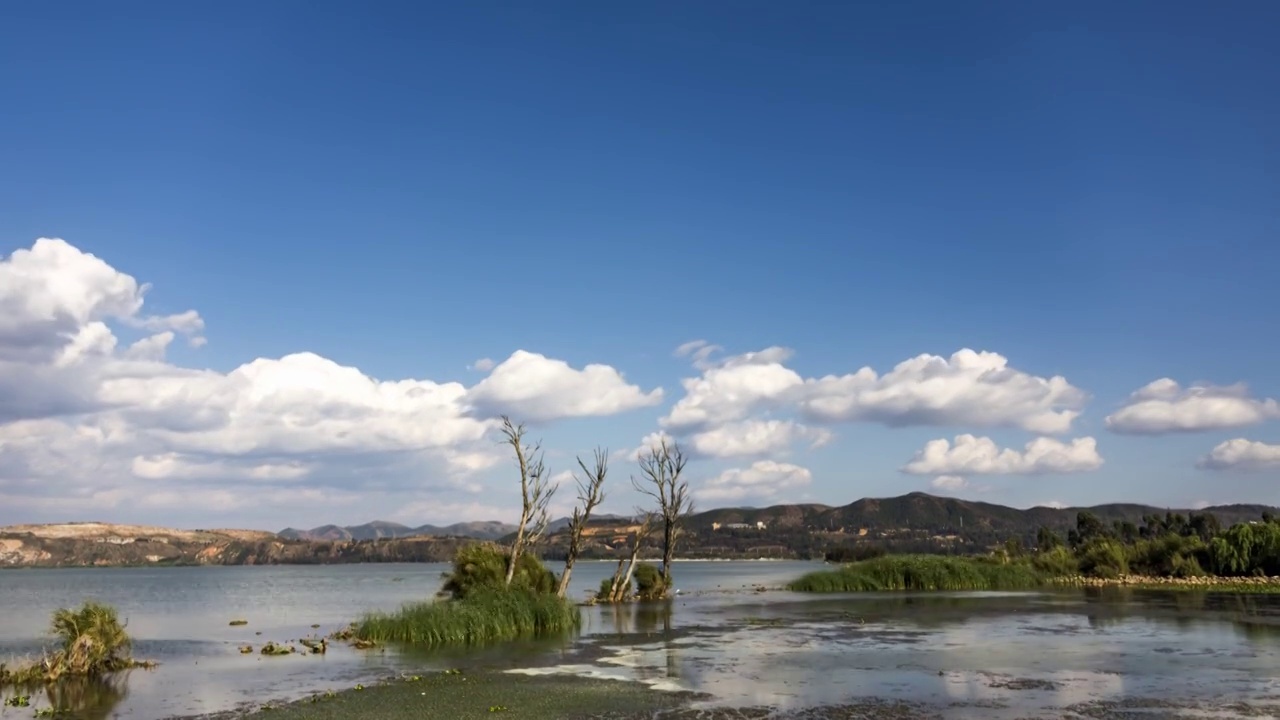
(660,472)
(622,583)
(535,493)
(590,495)
(613,584)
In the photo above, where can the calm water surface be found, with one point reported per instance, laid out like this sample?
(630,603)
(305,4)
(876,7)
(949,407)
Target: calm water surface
(974,655)
(179,617)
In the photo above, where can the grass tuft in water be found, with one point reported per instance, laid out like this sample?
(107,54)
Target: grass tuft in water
(484,617)
(93,643)
(920,572)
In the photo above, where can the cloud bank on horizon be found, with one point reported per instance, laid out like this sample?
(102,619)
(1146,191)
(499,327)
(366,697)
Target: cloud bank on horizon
(93,425)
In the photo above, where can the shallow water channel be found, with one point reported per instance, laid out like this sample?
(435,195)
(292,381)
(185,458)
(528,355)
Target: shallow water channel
(956,655)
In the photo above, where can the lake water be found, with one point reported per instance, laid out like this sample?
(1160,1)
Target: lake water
(967,655)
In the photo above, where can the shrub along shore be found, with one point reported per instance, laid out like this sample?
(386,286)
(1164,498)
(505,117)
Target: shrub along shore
(936,572)
(1167,552)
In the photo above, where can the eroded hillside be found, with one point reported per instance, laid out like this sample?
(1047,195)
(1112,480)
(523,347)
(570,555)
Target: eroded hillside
(102,544)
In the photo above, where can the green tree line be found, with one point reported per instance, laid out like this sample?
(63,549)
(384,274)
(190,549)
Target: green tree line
(1172,545)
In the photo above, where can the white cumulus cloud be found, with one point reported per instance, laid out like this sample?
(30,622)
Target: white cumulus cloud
(969,388)
(95,422)
(1242,454)
(756,437)
(949,483)
(971,455)
(1164,406)
(755,405)
(535,387)
(763,480)
(733,389)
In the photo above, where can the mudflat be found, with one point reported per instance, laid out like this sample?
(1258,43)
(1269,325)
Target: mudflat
(494,695)
(468,696)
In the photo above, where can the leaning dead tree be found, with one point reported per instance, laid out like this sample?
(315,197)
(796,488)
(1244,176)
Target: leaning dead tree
(660,472)
(590,495)
(622,580)
(535,493)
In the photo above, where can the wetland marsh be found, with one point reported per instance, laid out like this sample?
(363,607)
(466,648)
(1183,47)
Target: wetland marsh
(721,648)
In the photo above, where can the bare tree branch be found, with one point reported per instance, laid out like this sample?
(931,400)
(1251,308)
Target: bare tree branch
(536,491)
(660,479)
(590,495)
(622,585)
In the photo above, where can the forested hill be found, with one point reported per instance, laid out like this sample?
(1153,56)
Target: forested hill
(916,522)
(915,511)
(922,511)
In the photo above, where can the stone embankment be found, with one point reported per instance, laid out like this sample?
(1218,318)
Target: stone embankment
(1208,582)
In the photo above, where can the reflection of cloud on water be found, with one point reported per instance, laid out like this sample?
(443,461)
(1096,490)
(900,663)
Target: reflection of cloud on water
(1073,687)
(1009,663)
(598,673)
(1062,688)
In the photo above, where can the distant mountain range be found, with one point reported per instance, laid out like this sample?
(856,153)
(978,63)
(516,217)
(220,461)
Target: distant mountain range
(379,530)
(915,511)
(916,522)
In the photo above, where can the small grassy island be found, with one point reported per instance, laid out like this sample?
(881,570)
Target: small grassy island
(481,607)
(500,593)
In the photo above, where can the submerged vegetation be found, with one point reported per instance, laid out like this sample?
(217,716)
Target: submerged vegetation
(93,643)
(921,572)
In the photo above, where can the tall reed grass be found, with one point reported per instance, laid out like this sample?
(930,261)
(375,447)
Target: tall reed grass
(483,617)
(920,572)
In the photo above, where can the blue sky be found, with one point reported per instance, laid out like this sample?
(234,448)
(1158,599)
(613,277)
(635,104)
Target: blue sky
(1088,190)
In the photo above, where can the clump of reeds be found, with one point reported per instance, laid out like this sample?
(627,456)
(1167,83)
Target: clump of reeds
(93,642)
(483,617)
(921,572)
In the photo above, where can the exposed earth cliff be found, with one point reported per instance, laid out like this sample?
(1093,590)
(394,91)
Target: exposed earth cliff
(101,544)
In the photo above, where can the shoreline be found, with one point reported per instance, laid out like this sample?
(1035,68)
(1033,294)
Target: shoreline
(1149,582)
(487,693)
(165,565)
(470,695)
